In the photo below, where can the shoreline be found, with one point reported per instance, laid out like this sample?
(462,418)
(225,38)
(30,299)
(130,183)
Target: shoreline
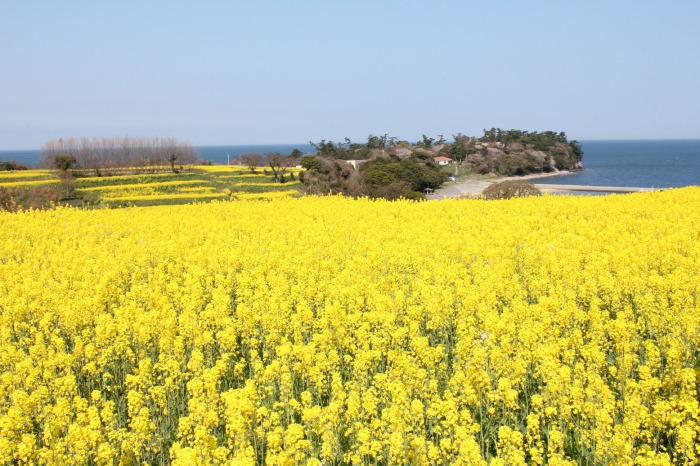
(534,176)
(474,187)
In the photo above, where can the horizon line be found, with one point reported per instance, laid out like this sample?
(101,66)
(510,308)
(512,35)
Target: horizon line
(308,143)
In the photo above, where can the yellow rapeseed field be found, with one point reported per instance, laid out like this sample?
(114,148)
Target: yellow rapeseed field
(25,174)
(266,195)
(15,183)
(551,330)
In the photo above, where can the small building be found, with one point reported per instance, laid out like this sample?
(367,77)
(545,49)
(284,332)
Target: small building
(440,160)
(355,163)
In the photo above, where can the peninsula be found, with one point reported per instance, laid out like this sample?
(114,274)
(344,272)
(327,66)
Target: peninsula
(387,167)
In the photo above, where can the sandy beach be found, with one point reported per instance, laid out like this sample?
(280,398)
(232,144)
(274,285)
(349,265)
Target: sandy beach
(474,187)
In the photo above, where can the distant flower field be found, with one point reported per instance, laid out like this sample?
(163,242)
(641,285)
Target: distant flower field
(163,187)
(552,330)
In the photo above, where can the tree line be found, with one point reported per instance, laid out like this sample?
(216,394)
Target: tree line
(388,177)
(276,162)
(392,168)
(460,148)
(100,153)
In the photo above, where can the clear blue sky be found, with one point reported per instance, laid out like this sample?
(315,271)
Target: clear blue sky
(233,72)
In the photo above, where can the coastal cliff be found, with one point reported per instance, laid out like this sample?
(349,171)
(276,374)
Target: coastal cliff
(512,152)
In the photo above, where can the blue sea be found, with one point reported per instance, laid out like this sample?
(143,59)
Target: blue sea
(638,163)
(221,154)
(667,163)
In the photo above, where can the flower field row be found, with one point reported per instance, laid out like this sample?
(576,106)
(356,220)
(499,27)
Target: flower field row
(157,184)
(267,184)
(139,178)
(198,189)
(266,195)
(24,174)
(552,330)
(225,169)
(17,183)
(151,196)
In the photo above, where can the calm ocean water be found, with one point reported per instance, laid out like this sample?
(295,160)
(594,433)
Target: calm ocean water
(220,154)
(646,163)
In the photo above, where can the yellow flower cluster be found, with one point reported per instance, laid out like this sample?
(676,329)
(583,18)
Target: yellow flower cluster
(259,175)
(198,189)
(137,178)
(266,183)
(155,185)
(24,182)
(148,195)
(222,168)
(266,195)
(553,330)
(250,177)
(25,174)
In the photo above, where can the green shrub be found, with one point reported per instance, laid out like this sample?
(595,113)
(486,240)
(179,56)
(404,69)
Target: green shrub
(12,165)
(509,189)
(65,162)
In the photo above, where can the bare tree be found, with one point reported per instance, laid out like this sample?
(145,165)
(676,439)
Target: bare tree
(274,161)
(252,161)
(125,151)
